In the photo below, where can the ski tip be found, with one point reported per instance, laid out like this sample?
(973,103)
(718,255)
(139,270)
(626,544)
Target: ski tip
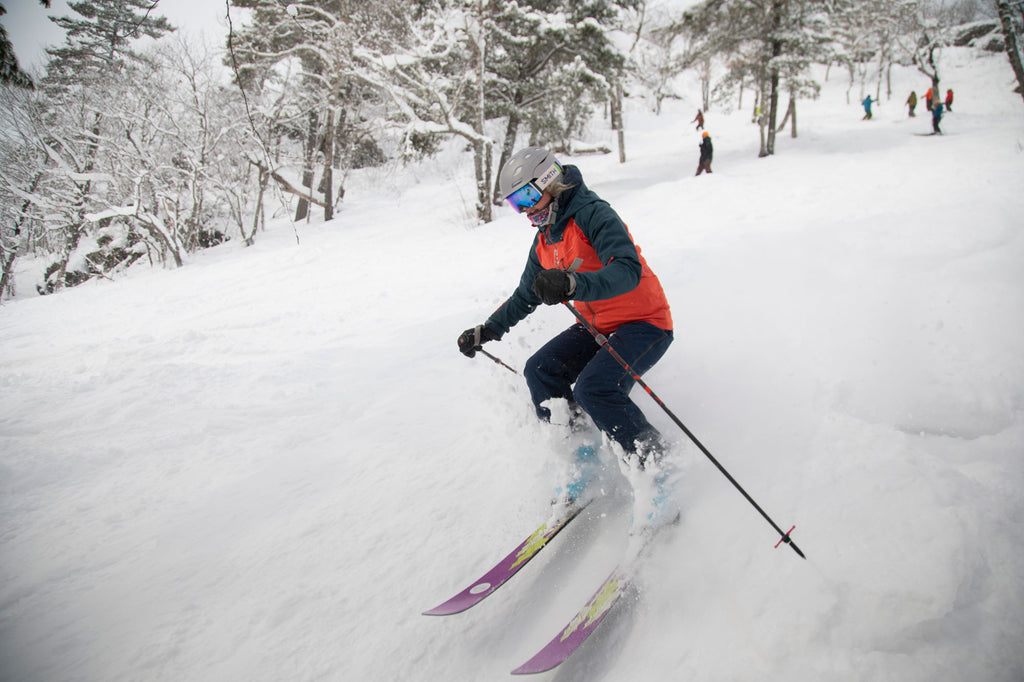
(531,668)
(466,599)
(440,611)
(445,609)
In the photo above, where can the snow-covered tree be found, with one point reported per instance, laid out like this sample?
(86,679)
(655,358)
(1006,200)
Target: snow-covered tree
(1011,18)
(772,41)
(20,176)
(932,27)
(78,105)
(329,44)
(146,158)
(658,60)
(435,68)
(550,62)
(869,36)
(435,78)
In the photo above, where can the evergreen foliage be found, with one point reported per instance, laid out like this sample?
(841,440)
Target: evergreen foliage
(122,153)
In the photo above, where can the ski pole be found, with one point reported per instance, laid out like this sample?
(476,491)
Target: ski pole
(478,349)
(603,341)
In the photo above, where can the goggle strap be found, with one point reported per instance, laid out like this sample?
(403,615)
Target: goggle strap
(549,175)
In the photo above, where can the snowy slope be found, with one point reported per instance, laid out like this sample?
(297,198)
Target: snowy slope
(265,465)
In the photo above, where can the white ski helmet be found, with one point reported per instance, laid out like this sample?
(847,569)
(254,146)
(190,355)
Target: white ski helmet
(532,164)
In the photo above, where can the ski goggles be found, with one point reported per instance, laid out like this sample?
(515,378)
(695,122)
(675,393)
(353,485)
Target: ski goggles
(529,194)
(525,197)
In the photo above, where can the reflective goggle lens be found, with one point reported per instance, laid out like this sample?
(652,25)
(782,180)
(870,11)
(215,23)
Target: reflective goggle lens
(525,197)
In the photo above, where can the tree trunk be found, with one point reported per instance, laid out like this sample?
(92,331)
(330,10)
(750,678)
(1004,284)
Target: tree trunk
(482,171)
(508,146)
(790,114)
(773,106)
(705,84)
(328,179)
(302,210)
(617,123)
(341,150)
(1013,44)
(73,235)
(481,147)
(8,269)
(258,214)
(933,73)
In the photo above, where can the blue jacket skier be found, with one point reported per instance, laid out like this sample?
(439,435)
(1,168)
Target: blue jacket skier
(867,107)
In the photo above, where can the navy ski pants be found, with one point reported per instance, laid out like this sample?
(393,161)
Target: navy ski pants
(601,384)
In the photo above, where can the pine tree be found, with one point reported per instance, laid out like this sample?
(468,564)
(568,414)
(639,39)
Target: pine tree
(551,60)
(10,72)
(95,55)
(99,40)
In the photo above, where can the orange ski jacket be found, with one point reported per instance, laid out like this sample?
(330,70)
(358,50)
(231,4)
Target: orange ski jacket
(614,284)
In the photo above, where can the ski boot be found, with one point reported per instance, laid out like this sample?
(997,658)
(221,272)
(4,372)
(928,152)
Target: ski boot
(654,502)
(580,487)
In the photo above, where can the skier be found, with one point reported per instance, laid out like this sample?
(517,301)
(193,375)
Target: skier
(699,120)
(706,152)
(867,107)
(582,251)
(929,99)
(949,101)
(936,117)
(912,104)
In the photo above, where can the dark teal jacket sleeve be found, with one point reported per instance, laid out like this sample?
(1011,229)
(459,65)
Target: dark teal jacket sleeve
(621,264)
(522,302)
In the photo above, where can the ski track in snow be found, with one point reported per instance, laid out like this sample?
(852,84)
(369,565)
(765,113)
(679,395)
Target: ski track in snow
(265,465)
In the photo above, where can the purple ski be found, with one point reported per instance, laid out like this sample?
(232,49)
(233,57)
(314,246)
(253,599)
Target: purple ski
(593,612)
(580,627)
(504,569)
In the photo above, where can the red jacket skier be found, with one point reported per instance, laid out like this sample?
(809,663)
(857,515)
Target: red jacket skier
(583,252)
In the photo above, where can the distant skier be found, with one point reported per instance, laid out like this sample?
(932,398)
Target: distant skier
(936,117)
(867,107)
(699,120)
(707,151)
(929,99)
(949,101)
(583,252)
(912,104)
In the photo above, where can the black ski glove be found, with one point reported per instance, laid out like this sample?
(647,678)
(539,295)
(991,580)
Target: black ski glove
(554,286)
(473,338)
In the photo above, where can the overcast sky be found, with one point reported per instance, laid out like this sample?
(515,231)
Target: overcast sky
(31,31)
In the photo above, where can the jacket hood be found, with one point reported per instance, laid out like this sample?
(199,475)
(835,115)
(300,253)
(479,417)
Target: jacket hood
(570,202)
